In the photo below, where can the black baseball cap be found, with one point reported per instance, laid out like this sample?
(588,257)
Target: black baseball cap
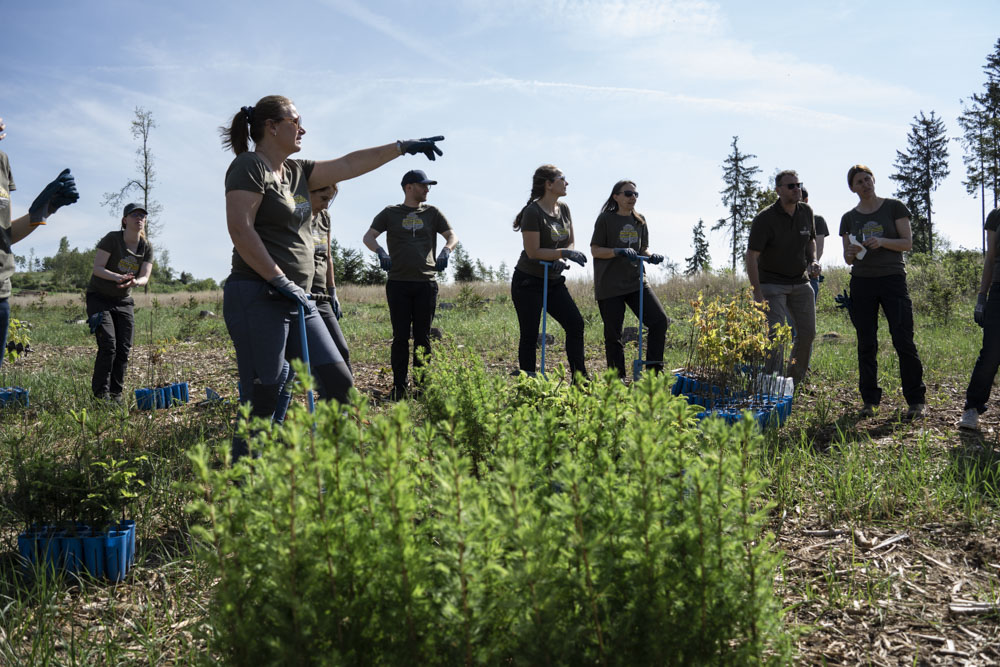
(130,208)
(416,176)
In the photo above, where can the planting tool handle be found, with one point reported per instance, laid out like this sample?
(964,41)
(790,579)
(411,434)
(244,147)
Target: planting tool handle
(639,363)
(545,307)
(304,340)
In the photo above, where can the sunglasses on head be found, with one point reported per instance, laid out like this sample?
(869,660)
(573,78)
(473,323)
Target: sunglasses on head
(629,193)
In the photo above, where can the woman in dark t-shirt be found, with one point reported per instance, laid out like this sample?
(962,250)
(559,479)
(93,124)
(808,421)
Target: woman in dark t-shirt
(875,234)
(270,222)
(547,235)
(124,259)
(620,236)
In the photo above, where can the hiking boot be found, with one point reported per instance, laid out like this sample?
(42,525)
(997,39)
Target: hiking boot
(914,411)
(969,420)
(868,411)
(397,394)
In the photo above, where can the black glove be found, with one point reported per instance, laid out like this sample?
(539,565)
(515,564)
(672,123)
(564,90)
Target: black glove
(627,253)
(979,314)
(290,290)
(560,265)
(574,256)
(335,304)
(94,321)
(442,260)
(383,259)
(843,301)
(425,146)
(655,259)
(60,192)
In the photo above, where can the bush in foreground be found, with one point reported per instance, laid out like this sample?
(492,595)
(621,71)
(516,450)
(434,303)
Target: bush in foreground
(599,525)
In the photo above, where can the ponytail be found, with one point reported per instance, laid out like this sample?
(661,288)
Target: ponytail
(248,123)
(542,175)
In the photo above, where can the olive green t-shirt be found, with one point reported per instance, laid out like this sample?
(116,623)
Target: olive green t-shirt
(821,227)
(878,262)
(321,249)
(618,276)
(993,225)
(121,260)
(6,254)
(411,239)
(284,216)
(553,232)
(783,243)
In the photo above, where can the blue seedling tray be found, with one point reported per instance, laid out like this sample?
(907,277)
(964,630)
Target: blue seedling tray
(13,397)
(767,409)
(109,554)
(161,397)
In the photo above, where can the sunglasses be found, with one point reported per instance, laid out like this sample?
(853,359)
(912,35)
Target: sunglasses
(629,193)
(793,186)
(297,120)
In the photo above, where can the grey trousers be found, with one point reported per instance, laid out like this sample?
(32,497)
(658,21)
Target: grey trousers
(794,305)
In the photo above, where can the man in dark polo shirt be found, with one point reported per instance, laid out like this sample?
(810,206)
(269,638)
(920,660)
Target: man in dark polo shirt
(411,230)
(781,257)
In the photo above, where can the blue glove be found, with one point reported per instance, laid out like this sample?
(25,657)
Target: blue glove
(60,192)
(290,290)
(94,321)
(655,259)
(425,146)
(979,314)
(574,256)
(442,260)
(627,253)
(335,304)
(384,260)
(843,301)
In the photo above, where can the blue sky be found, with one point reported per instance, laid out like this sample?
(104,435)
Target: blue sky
(652,91)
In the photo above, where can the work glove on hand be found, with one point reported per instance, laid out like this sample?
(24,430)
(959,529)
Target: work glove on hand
(290,290)
(335,304)
(442,260)
(627,253)
(655,259)
(979,314)
(60,192)
(425,146)
(560,265)
(843,301)
(383,259)
(574,256)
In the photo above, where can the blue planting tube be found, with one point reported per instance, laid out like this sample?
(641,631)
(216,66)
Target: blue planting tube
(304,340)
(545,307)
(639,363)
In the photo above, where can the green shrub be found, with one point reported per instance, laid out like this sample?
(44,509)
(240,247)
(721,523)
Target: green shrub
(605,526)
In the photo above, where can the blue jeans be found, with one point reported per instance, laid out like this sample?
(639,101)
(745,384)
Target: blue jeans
(981,382)
(4,323)
(814,283)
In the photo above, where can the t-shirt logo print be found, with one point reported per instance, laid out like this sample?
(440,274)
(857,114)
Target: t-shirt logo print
(558,232)
(4,199)
(303,211)
(629,235)
(128,264)
(871,228)
(412,223)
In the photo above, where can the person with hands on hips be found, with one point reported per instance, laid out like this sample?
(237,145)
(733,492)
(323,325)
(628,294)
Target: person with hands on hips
(269,218)
(546,228)
(621,235)
(780,259)
(324,286)
(875,235)
(986,315)
(411,230)
(60,192)
(123,260)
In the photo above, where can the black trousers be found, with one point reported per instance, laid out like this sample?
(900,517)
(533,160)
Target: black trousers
(114,342)
(891,293)
(654,317)
(526,293)
(985,370)
(410,303)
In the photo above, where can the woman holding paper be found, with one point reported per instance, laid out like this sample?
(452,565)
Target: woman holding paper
(876,233)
